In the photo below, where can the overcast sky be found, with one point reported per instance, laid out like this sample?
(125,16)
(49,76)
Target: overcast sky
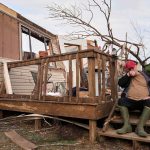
(124,12)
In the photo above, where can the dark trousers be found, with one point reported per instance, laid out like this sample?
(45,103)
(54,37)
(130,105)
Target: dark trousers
(133,104)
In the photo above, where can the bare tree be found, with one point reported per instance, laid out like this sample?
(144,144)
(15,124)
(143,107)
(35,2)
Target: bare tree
(74,16)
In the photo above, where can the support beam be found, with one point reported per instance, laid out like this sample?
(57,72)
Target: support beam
(30,44)
(91,86)
(136,145)
(92,130)
(38,124)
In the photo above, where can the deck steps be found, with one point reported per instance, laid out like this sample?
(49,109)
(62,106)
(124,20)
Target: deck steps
(116,120)
(129,136)
(133,120)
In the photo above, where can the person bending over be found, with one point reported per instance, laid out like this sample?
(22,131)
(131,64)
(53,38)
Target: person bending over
(135,96)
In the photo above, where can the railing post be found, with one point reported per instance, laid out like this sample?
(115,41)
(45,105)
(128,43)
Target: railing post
(91,90)
(103,77)
(37,83)
(114,78)
(41,79)
(91,76)
(77,77)
(70,77)
(45,78)
(99,76)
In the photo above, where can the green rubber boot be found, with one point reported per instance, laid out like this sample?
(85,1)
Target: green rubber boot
(143,118)
(127,128)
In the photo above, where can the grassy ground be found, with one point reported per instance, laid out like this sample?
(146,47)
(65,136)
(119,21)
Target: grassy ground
(59,136)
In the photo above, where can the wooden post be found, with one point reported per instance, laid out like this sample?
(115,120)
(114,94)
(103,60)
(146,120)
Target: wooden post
(30,44)
(70,77)
(116,79)
(37,84)
(111,70)
(103,77)
(37,124)
(91,89)
(41,79)
(99,76)
(91,76)
(81,67)
(114,75)
(45,78)
(136,145)
(77,77)
(92,130)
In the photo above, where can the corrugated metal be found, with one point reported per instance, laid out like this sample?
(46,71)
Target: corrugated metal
(9,38)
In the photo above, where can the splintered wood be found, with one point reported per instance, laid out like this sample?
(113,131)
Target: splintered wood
(20,141)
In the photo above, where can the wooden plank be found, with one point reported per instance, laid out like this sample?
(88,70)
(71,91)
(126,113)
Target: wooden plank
(20,141)
(112,81)
(81,68)
(82,100)
(45,78)
(136,145)
(99,76)
(13,96)
(77,77)
(57,57)
(91,76)
(92,131)
(76,110)
(103,77)
(133,120)
(41,79)
(127,136)
(38,124)
(70,76)
(91,90)
(115,79)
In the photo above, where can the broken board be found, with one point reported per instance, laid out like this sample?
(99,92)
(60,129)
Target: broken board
(20,141)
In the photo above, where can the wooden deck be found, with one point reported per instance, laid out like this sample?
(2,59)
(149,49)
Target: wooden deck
(91,107)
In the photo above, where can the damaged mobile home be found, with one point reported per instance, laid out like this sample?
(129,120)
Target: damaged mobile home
(26,80)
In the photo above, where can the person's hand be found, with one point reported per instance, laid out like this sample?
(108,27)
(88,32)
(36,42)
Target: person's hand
(131,73)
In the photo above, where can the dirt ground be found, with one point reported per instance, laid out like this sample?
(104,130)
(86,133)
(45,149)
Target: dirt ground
(56,135)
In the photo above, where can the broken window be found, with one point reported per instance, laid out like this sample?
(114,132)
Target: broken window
(32,43)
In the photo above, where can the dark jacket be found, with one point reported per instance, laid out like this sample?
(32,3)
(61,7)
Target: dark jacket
(125,81)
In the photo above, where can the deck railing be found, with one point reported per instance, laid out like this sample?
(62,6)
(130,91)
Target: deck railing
(101,73)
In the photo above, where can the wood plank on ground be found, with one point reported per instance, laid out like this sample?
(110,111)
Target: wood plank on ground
(129,136)
(20,141)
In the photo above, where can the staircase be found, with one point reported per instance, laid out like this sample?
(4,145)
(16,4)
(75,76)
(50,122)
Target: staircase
(116,122)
